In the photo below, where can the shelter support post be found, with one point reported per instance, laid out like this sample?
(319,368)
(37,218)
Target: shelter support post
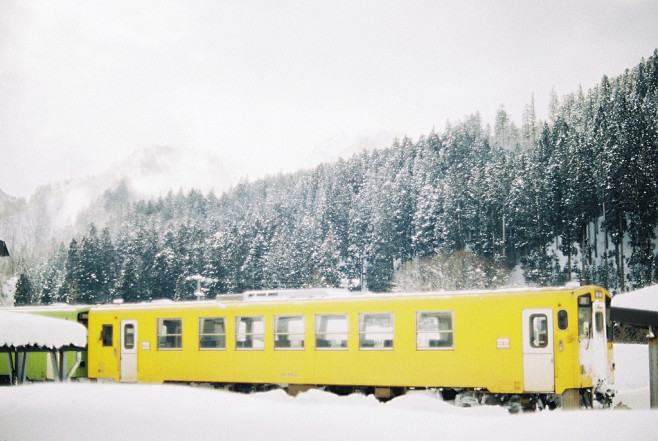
(653,369)
(22,377)
(62,366)
(10,367)
(76,365)
(55,364)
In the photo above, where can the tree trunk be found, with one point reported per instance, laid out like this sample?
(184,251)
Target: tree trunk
(622,283)
(583,265)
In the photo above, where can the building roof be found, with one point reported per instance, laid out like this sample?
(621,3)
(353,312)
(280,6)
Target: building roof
(33,332)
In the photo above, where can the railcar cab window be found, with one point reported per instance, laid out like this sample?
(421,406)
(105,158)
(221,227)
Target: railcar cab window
(212,333)
(562,320)
(106,335)
(434,330)
(170,333)
(584,316)
(331,332)
(376,331)
(289,332)
(250,333)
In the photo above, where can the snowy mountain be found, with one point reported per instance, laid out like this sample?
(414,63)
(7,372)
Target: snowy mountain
(4,197)
(57,210)
(152,172)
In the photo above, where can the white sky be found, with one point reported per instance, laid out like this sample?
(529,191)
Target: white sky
(267,83)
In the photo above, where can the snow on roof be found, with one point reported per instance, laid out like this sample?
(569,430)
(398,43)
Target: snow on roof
(644,299)
(19,330)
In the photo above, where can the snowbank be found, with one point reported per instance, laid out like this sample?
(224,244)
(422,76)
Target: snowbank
(116,411)
(27,330)
(108,411)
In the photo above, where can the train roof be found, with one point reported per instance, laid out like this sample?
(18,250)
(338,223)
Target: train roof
(55,307)
(291,295)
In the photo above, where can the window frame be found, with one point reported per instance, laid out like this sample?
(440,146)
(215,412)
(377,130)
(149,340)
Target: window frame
(563,320)
(128,337)
(219,335)
(107,335)
(178,337)
(238,320)
(317,333)
(278,335)
(363,332)
(449,313)
(585,316)
(534,334)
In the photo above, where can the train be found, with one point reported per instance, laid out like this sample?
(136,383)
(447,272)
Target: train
(522,348)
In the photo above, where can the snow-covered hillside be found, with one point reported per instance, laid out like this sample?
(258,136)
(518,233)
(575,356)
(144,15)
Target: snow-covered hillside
(146,174)
(140,412)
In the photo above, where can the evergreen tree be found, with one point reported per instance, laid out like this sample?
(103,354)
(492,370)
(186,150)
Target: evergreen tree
(24,292)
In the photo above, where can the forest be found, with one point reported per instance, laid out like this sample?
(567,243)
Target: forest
(570,198)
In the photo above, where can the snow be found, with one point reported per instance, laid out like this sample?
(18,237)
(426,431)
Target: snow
(644,298)
(8,291)
(26,329)
(108,411)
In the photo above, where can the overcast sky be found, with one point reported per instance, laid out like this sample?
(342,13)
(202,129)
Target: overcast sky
(83,84)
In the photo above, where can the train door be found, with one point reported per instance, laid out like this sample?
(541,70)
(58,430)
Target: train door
(128,371)
(594,351)
(538,357)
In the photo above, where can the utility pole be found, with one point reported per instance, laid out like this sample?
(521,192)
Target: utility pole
(653,367)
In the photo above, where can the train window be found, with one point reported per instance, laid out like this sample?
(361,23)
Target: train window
(212,333)
(170,333)
(562,320)
(129,336)
(434,330)
(250,332)
(331,331)
(584,315)
(289,332)
(538,331)
(106,335)
(376,331)
(83,318)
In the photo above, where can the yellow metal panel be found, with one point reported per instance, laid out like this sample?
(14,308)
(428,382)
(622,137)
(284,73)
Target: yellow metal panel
(487,349)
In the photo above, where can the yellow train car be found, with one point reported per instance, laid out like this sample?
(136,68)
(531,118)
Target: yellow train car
(550,343)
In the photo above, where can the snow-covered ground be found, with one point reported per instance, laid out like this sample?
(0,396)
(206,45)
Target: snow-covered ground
(83,411)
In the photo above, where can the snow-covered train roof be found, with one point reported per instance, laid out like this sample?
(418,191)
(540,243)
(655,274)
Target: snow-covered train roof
(55,307)
(28,330)
(319,294)
(303,293)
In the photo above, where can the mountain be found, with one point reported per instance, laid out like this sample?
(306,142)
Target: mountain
(5,197)
(152,172)
(60,210)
